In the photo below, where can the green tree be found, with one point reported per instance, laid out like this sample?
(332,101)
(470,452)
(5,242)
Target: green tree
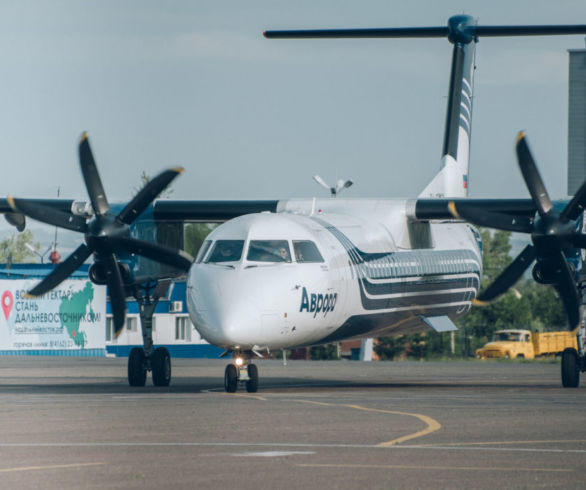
(390,348)
(438,344)
(546,307)
(416,347)
(324,352)
(495,254)
(195,234)
(508,311)
(13,249)
(145,179)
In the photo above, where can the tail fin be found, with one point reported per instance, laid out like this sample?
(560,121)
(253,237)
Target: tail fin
(452,179)
(463,33)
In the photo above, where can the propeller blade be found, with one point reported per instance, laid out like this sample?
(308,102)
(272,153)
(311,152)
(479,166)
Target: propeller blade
(17,220)
(62,271)
(117,292)
(91,177)
(147,195)
(175,258)
(508,277)
(576,205)
(500,221)
(48,215)
(566,288)
(532,177)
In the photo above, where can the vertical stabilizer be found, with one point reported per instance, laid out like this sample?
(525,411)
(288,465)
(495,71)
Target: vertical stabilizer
(463,32)
(452,179)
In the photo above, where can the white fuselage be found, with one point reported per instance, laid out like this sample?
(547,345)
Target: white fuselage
(374,274)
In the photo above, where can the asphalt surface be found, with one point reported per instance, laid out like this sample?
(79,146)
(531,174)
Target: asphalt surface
(75,423)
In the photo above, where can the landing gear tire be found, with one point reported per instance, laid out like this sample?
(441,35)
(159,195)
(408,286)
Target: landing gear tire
(231,378)
(252,383)
(570,369)
(136,367)
(161,366)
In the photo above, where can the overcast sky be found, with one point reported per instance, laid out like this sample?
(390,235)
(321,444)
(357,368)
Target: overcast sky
(194,83)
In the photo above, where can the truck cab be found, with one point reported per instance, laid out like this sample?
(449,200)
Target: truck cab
(508,344)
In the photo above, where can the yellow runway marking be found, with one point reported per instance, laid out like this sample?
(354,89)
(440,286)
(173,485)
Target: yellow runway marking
(432,424)
(51,467)
(435,468)
(504,443)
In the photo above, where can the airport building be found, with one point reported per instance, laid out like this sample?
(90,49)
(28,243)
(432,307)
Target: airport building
(75,319)
(577,120)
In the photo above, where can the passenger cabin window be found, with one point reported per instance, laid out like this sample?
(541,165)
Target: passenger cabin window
(306,251)
(205,246)
(268,251)
(226,251)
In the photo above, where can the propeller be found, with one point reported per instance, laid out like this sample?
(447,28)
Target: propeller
(106,234)
(552,233)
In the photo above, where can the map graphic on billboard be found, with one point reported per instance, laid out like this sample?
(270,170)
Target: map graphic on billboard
(71,316)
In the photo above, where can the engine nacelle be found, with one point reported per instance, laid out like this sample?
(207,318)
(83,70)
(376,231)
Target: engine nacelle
(546,273)
(97,273)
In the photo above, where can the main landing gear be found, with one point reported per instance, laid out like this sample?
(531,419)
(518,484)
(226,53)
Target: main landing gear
(146,358)
(574,361)
(241,371)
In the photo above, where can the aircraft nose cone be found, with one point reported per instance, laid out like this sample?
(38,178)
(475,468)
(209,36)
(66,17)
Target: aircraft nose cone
(220,308)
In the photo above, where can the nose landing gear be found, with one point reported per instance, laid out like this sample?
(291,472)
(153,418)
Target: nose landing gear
(241,371)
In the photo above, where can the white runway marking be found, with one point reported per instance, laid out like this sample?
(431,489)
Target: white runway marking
(50,467)
(274,454)
(287,445)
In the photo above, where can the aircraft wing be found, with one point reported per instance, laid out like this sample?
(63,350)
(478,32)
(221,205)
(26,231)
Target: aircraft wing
(190,211)
(439,209)
(221,210)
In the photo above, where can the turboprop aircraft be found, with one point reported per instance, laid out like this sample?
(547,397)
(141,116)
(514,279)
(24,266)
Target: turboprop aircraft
(299,272)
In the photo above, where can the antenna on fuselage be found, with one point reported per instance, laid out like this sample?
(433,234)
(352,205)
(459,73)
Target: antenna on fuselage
(334,191)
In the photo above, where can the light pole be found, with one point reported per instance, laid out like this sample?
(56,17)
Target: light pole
(334,191)
(34,250)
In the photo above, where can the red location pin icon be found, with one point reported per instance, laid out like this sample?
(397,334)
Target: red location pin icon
(7,302)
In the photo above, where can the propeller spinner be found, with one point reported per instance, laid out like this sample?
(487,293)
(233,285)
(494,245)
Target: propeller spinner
(552,233)
(106,234)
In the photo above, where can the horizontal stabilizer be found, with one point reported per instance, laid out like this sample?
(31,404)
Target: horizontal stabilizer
(461,28)
(439,323)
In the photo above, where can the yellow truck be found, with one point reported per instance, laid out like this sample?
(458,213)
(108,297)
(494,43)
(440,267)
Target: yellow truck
(512,344)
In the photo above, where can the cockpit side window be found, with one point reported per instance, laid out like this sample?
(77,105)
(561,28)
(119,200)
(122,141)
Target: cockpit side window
(268,251)
(306,251)
(226,251)
(205,246)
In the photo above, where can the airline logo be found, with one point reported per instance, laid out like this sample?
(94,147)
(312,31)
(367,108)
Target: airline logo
(317,303)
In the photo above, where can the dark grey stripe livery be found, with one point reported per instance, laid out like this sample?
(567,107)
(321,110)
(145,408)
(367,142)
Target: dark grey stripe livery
(423,282)
(414,279)
(459,111)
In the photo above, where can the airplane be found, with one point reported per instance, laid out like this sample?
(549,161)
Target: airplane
(298,272)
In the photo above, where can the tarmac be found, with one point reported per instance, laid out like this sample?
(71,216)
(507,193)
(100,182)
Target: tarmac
(75,423)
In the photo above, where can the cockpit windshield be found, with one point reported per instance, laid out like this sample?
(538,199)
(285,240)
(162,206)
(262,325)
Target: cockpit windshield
(226,251)
(306,251)
(268,251)
(203,250)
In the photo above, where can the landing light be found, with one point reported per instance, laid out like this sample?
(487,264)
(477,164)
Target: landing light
(239,361)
